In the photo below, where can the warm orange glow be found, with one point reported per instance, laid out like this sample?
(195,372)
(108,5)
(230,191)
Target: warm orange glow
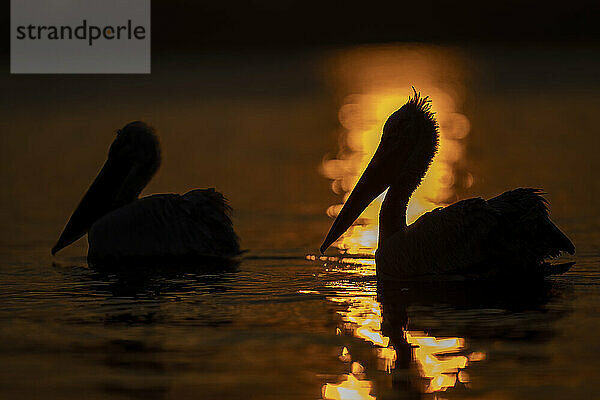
(345,356)
(372,336)
(440,361)
(380,80)
(441,371)
(387,358)
(351,388)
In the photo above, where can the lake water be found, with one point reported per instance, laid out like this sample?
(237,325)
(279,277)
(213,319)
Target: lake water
(284,136)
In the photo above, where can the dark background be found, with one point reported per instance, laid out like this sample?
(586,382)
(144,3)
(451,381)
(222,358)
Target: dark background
(186,23)
(179,25)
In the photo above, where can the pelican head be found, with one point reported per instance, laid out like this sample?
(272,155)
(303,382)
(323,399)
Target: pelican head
(408,144)
(133,159)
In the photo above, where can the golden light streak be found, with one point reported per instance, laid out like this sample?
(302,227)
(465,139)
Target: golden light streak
(441,372)
(440,361)
(387,358)
(351,388)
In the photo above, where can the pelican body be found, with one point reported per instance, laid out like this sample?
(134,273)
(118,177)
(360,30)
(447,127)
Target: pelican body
(122,227)
(508,234)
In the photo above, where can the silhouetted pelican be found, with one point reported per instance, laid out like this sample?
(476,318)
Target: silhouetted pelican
(508,233)
(163,226)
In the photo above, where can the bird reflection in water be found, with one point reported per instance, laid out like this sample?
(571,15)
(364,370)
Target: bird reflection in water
(422,338)
(440,361)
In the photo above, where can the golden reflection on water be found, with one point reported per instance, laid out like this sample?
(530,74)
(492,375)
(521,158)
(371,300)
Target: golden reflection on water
(440,361)
(441,371)
(374,82)
(351,388)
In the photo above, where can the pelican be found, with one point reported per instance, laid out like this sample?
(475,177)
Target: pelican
(505,235)
(164,226)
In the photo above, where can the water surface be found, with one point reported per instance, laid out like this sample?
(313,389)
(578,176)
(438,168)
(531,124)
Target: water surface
(285,137)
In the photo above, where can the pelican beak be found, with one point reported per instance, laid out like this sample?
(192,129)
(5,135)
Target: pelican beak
(370,185)
(97,201)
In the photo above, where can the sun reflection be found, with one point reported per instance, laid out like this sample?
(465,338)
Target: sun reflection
(351,388)
(440,361)
(441,371)
(380,80)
